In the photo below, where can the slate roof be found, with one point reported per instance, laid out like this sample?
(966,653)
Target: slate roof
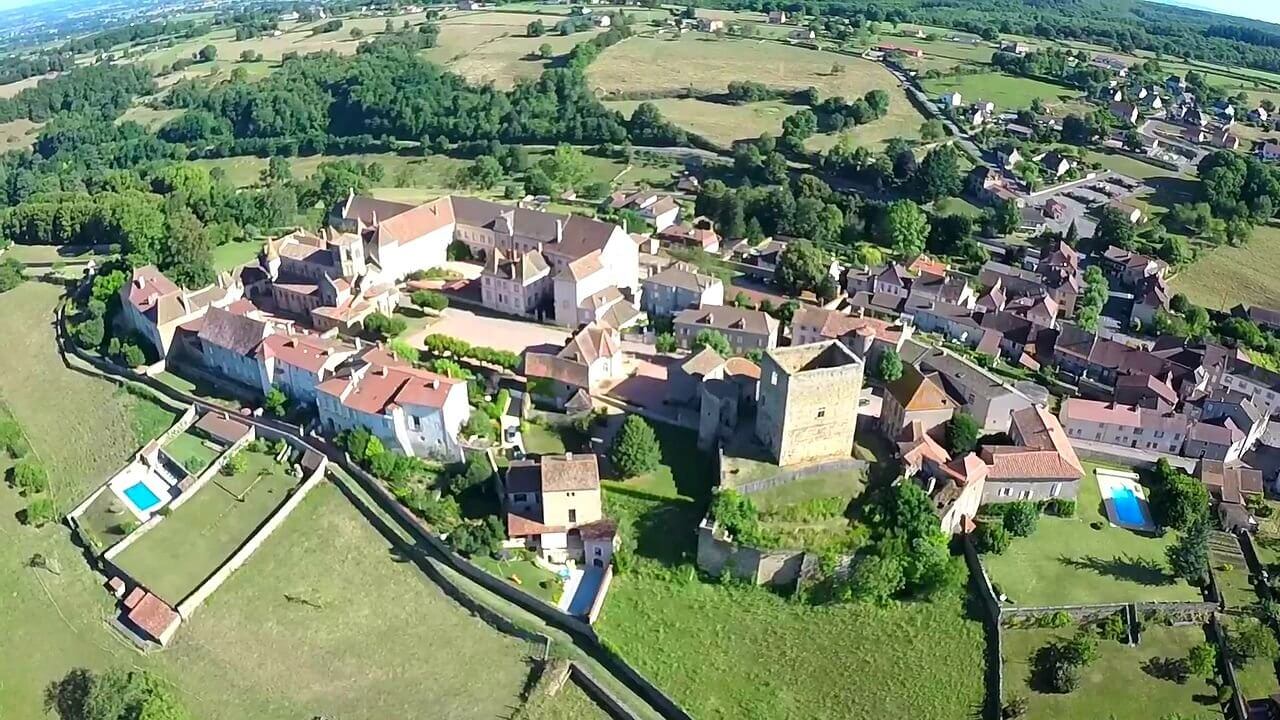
(726,317)
(916,391)
(239,334)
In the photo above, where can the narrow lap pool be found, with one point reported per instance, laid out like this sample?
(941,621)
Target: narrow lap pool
(586,591)
(141,496)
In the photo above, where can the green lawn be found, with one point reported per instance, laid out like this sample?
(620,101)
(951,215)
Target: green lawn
(542,440)
(1066,561)
(1008,92)
(733,651)
(186,547)
(236,253)
(527,576)
(570,703)
(813,512)
(1119,685)
(327,619)
(957,206)
(192,452)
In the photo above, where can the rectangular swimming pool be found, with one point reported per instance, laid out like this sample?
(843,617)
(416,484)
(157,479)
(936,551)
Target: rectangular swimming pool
(141,496)
(1128,509)
(585,595)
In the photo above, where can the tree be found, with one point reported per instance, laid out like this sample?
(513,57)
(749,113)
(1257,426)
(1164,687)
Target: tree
(545,51)
(379,326)
(962,434)
(635,449)
(429,300)
(992,538)
(1188,556)
(1178,500)
(1114,228)
(932,130)
(536,29)
(278,171)
(1202,660)
(904,511)
(713,339)
(1058,664)
(208,53)
(1020,517)
(356,33)
(482,174)
(889,367)
(276,402)
(875,580)
(904,228)
(189,256)
(1248,639)
(801,267)
(29,477)
(117,694)
(939,175)
(665,342)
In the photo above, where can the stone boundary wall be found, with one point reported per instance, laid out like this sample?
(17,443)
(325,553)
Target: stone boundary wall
(597,603)
(1237,707)
(197,597)
(788,476)
(760,567)
(611,705)
(1097,454)
(580,631)
(994,700)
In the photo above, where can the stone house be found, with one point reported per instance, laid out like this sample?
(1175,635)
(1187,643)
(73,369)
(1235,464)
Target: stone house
(1229,426)
(551,503)
(154,307)
(1260,385)
(678,288)
(915,397)
(746,330)
(593,357)
(517,284)
(1124,425)
(297,364)
(978,393)
(228,342)
(807,406)
(954,486)
(1041,464)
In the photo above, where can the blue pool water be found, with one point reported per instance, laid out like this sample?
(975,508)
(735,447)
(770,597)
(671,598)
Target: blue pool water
(1128,509)
(141,496)
(586,592)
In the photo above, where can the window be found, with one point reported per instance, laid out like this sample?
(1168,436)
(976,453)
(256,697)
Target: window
(1057,488)
(822,412)
(1006,492)
(573,516)
(599,552)
(773,379)
(520,498)
(1024,495)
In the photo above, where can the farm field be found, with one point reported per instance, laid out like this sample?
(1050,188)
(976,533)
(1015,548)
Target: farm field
(700,61)
(492,46)
(8,90)
(717,122)
(363,635)
(1008,92)
(18,134)
(1225,276)
(1120,685)
(1067,561)
(187,546)
(734,651)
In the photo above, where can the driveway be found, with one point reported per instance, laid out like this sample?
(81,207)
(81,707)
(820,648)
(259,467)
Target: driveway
(495,332)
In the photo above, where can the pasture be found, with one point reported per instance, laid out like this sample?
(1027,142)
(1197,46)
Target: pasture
(700,61)
(1225,276)
(1008,92)
(1126,683)
(18,134)
(493,47)
(717,122)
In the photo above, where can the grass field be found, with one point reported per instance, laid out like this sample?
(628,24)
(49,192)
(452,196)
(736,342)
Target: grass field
(698,60)
(192,451)
(186,547)
(1118,685)
(733,651)
(1008,92)
(1225,276)
(382,642)
(570,703)
(18,134)
(718,122)
(235,253)
(492,47)
(1065,561)
(149,118)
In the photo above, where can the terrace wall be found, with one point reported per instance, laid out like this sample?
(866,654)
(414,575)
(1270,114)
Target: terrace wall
(214,468)
(197,597)
(761,567)
(787,476)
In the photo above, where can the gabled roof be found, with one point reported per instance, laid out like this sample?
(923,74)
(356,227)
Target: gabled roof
(592,343)
(368,210)
(726,317)
(916,391)
(306,352)
(704,361)
(239,334)
(413,224)
(583,267)
(383,383)
(679,277)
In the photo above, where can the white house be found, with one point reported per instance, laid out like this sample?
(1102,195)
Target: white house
(1126,425)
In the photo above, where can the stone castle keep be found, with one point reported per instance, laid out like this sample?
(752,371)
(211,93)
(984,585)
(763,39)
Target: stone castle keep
(808,402)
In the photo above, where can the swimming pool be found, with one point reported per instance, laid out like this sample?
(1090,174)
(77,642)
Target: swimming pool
(1128,509)
(585,594)
(141,496)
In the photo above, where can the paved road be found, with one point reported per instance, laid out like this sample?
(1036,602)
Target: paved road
(962,139)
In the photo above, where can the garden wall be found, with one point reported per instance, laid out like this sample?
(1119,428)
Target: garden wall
(1092,451)
(197,597)
(786,476)
(761,567)
(612,706)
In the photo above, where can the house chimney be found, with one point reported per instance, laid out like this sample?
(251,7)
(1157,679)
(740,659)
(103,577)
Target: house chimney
(559,230)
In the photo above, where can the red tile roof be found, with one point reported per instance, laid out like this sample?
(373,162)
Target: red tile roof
(307,352)
(153,616)
(382,386)
(412,224)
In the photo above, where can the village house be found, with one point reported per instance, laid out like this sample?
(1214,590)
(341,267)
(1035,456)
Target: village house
(866,337)
(915,397)
(1146,391)
(679,288)
(952,100)
(226,343)
(1229,426)
(412,411)
(1041,464)
(777,17)
(590,359)
(808,402)
(1012,46)
(553,507)
(976,392)
(1260,385)
(1055,165)
(517,284)
(154,307)
(1230,483)
(746,330)
(699,235)
(1125,112)
(1132,268)
(1124,425)
(1009,157)
(1259,114)
(659,210)
(1270,150)
(298,364)
(1127,210)
(955,487)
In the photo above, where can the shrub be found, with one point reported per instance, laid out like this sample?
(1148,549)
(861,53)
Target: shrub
(379,326)
(30,477)
(1015,708)
(1248,639)
(276,402)
(234,465)
(39,512)
(132,355)
(193,465)
(1225,694)
(1059,619)
(482,538)
(735,512)
(11,438)
(1058,664)
(875,580)
(1020,517)
(428,300)
(1061,507)
(666,342)
(635,449)
(1202,660)
(1114,628)
(991,538)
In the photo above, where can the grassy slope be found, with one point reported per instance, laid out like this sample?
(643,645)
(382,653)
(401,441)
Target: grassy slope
(1066,561)
(1229,275)
(1006,91)
(728,651)
(1116,686)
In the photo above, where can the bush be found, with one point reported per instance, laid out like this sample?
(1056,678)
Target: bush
(635,449)
(380,326)
(1061,507)
(666,342)
(428,300)
(234,465)
(30,477)
(39,512)
(276,402)
(1058,664)
(1114,628)
(481,538)
(1225,694)
(991,538)
(1020,517)
(875,580)
(1248,639)
(1202,660)
(12,440)
(1059,619)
